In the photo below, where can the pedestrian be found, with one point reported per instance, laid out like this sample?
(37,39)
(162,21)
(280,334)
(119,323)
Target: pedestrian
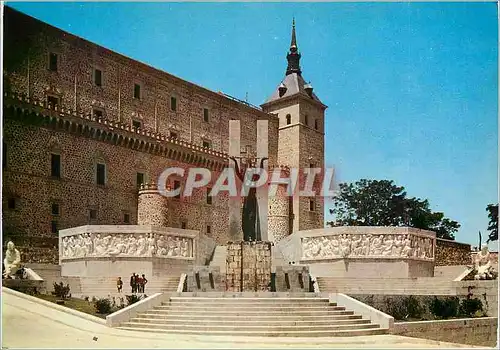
(119,284)
(144,281)
(133,284)
(139,284)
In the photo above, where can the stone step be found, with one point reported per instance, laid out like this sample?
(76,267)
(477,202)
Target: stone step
(277,303)
(243,322)
(290,333)
(256,318)
(250,307)
(237,312)
(247,300)
(255,328)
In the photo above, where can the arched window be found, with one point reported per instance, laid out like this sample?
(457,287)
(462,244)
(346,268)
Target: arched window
(288,119)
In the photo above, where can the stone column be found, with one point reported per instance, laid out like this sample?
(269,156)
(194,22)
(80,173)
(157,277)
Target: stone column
(235,230)
(152,207)
(262,197)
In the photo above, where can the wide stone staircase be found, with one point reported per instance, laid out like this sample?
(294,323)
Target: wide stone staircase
(249,316)
(102,287)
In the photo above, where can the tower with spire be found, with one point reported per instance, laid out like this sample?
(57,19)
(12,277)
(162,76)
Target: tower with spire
(301,134)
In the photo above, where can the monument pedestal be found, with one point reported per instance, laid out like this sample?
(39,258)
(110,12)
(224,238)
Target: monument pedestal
(248,266)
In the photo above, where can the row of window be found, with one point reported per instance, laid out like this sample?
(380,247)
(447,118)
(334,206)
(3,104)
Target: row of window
(97,80)
(306,121)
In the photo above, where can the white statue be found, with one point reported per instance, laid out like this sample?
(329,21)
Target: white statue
(12,261)
(482,264)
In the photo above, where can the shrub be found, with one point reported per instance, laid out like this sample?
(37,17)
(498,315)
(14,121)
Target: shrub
(396,308)
(132,299)
(413,307)
(471,307)
(61,291)
(445,308)
(103,306)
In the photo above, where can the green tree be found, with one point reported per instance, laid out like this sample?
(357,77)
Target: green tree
(492,210)
(382,203)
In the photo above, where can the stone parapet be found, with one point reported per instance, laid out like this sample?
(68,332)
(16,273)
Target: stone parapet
(363,251)
(126,241)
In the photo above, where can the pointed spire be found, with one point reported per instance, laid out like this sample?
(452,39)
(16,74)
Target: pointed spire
(293,57)
(293,44)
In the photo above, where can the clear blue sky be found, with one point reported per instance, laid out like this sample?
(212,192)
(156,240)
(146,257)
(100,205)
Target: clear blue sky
(412,88)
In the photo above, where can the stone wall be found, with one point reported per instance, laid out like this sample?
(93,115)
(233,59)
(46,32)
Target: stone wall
(452,253)
(471,331)
(248,266)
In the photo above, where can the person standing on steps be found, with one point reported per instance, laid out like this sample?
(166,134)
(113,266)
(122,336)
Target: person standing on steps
(119,284)
(133,282)
(139,284)
(144,281)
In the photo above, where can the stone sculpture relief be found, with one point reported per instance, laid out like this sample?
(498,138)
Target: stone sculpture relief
(367,245)
(129,245)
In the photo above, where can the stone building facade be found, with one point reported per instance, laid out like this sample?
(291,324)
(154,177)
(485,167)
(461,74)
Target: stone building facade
(84,126)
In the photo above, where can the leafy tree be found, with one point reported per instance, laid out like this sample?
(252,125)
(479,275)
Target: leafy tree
(382,203)
(492,210)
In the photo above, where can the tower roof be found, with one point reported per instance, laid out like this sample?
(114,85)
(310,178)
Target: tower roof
(293,82)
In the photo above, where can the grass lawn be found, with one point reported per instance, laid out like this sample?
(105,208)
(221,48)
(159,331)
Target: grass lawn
(75,304)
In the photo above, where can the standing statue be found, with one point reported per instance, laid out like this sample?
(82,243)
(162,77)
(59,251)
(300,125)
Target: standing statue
(250,217)
(12,260)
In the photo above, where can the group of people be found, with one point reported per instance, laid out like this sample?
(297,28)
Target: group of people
(137,283)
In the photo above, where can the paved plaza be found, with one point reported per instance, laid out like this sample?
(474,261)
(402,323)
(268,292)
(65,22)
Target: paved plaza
(27,324)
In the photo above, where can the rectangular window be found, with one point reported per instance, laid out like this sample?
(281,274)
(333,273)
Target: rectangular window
(55,165)
(209,198)
(173,135)
(316,124)
(173,103)
(136,124)
(206,144)
(183,225)
(55,209)
(288,119)
(140,179)
(137,91)
(205,115)
(11,203)
(52,101)
(177,185)
(209,229)
(306,119)
(53,62)
(97,77)
(126,218)
(93,214)
(312,205)
(53,226)
(101,174)
(97,113)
